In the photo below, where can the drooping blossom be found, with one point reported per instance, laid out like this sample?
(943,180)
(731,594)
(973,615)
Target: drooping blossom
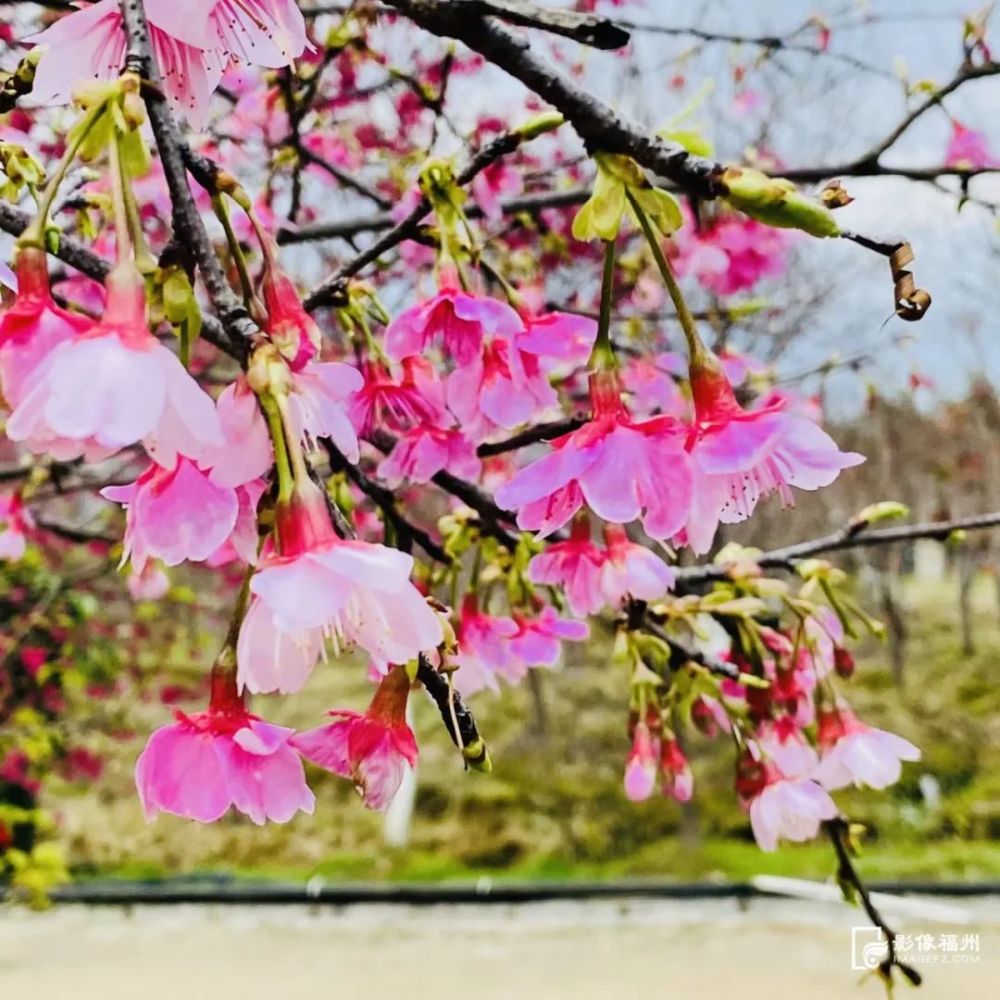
(853,753)
(114,384)
(641,764)
(781,741)
(373,749)
(268,33)
(175,515)
(968,149)
(501,387)
(676,778)
(317,585)
(652,387)
(89,44)
(16,525)
(507,383)
(290,328)
(247,453)
(206,762)
(575,565)
(192,41)
(398,404)
(622,469)
(538,642)
(630,568)
(781,807)
(709,715)
(318,405)
(423,452)
(148,584)
(484,649)
(31,326)
(739,456)
(453,318)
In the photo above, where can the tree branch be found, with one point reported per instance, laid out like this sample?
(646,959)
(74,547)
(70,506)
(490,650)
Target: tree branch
(851,537)
(187,221)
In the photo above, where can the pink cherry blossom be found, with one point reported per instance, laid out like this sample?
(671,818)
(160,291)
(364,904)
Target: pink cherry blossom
(192,41)
(782,742)
(89,44)
(423,452)
(789,809)
(557,337)
(641,765)
(318,404)
(498,179)
(16,525)
(455,319)
(632,569)
(113,385)
(319,585)
(968,149)
(32,326)
(538,642)
(151,583)
(398,404)
(622,470)
(373,749)
(575,565)
(246,454)
(739,456)
(675,771)
(268,33)
(174,515)
(204,763)
(502,387)
(291,329)
(733,253)
(856,754)
(484,648)
(652,388)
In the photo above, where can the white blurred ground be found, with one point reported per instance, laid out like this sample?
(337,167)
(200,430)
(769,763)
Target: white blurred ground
(551,951)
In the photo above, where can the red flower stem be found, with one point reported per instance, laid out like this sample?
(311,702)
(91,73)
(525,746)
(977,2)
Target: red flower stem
(223,691)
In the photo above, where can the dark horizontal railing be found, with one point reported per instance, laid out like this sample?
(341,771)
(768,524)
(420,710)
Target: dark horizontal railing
(220,891)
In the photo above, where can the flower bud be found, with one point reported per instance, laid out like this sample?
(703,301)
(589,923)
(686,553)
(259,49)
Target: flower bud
(777,202)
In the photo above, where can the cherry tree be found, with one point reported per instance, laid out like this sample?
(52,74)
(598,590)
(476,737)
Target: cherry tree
(495,421)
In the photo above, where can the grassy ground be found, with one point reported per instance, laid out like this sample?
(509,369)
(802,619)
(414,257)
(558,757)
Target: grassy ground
(553,808)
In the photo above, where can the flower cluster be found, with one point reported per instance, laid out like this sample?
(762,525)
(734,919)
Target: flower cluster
(452,491)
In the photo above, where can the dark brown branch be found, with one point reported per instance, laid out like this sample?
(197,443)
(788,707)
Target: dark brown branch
(456,715)
(333,290)
(852,886)
(491,517)
(187,222)
(851,537)
(588,29)
(385,500)
(540,432)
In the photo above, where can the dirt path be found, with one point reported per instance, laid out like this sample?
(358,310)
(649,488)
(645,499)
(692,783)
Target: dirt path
(552,951)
